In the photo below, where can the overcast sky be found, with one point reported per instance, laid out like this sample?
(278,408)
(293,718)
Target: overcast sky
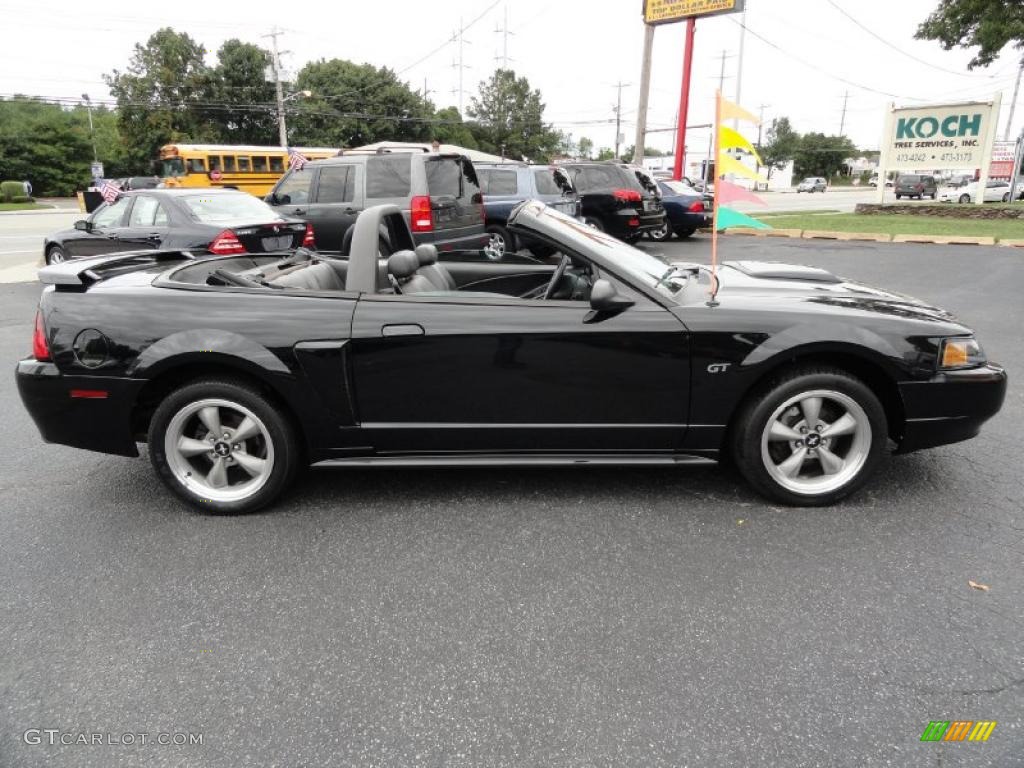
(574,51)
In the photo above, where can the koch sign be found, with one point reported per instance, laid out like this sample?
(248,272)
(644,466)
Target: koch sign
(667,11)
(941,136)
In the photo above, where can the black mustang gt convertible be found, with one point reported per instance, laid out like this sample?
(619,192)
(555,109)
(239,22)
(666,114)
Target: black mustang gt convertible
(238,370)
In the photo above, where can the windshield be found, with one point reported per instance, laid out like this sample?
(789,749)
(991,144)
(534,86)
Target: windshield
(222,208)
(680,188)
(172,166)
(633,264)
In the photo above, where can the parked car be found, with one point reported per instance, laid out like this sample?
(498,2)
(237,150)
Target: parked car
(439,195)
(960,180)
(873,181)
(611,356)
(995,192)
(615,199)
(685,211)
(505,185)
(812,184)
(917,185)
(217,221)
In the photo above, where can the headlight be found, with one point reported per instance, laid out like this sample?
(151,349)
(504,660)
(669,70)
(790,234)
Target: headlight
(961,352)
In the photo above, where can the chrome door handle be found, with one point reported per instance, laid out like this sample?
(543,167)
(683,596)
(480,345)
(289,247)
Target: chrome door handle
(403,329)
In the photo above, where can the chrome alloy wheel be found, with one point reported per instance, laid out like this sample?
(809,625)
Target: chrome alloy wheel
(219,450)
(496,247)
(816,442)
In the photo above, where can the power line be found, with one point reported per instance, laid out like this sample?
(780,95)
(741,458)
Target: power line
(900,50)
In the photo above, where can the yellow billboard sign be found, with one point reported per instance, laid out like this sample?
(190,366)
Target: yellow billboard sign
(667,11)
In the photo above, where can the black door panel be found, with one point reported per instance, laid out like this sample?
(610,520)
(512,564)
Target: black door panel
(510,375)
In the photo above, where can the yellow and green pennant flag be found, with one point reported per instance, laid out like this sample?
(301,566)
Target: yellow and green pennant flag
(730,217)
(729,138)
(730,111)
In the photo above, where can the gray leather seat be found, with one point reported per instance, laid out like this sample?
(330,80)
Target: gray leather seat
(404,266)
(319,276)
(434,272)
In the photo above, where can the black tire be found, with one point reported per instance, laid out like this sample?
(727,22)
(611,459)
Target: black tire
(860,450)
(662,234)
(965,198)
(934,196)
(1006,197)
(684,232)
(596,223)
(502,241)
(55,255)
(898,196)
(277,433)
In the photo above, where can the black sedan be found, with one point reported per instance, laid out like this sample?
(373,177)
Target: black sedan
(685,211)
(223,222)
(239,370)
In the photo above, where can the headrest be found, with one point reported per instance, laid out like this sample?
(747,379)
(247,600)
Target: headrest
(403,264)
(427,254)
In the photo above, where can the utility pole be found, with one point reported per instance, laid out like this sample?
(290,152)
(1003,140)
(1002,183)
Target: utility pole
(460,38)
(721,72)
(92,133)
(842,120)
(282,128)
(504,32)
(760,124)
(645,92)
(618,115)
(1013,104)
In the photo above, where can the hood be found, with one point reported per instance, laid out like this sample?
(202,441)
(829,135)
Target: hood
(770,282)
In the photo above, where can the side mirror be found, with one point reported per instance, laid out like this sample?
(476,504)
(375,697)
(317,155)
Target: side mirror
(82,225)
(270,198)
(605,298)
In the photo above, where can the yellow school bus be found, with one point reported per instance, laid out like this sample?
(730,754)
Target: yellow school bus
(249,168)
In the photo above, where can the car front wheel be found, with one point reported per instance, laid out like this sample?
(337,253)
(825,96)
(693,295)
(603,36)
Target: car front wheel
(222,446)
(55,255)
(811,437)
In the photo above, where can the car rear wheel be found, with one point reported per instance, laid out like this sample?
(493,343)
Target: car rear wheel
(811,437)
(898,196)
(661,234)
(1006,197)
(55,255)
(501,242)
(222,446)
(590,221)
(965,198)
(684,232)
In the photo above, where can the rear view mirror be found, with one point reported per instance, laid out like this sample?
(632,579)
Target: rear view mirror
(605,298)
(83,226)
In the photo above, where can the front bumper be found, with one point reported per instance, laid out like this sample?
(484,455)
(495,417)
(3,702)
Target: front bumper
(94,423)
(951,406)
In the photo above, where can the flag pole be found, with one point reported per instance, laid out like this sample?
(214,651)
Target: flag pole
(714,204)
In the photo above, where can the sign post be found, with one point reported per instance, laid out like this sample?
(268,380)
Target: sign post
(668,12)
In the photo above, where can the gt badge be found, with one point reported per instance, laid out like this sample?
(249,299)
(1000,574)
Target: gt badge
(718,367)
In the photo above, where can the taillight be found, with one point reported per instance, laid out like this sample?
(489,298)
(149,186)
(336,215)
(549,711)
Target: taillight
(634,222)
(308,241)
(40,349)
(627,195)
(420,215)
(697,206)
(226,244)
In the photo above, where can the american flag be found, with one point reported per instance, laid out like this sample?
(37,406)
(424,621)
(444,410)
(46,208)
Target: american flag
(109,191)
(296,160)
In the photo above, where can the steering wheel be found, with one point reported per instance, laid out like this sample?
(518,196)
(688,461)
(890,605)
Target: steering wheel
(556,278)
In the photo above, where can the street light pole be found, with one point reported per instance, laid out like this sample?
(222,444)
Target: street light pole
(92,132)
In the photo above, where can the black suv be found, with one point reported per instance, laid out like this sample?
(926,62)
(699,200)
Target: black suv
(438,193)
(617,198)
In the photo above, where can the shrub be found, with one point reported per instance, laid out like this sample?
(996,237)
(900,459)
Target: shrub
(11,189)
(22,199)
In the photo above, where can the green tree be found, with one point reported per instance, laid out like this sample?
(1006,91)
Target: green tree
(604,153)
(449,128)
(648,152)
(988,25)
(510,118)
(163,95)
(44,144)
(780,146)
(821,155)
(238,82)
(356,104)
(585,147)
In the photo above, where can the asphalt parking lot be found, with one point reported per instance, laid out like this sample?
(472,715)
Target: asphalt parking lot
(472,617)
